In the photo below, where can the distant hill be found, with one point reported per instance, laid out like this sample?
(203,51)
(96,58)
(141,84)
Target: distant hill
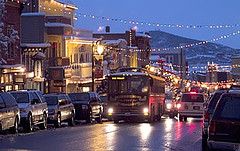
(197,55)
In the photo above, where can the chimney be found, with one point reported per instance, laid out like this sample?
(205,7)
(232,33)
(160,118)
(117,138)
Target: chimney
(107,29)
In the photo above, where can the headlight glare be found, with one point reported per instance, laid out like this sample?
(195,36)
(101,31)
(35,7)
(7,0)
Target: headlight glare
(169,106)
(110,111)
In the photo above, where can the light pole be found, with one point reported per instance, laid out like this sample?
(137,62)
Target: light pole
(100,50)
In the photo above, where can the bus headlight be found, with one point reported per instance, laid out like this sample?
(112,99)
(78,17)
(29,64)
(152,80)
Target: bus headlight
(110,111)
(169,106)
(145,111)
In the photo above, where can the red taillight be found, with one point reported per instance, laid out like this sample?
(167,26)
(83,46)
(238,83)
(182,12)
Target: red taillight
(212,127)
(179,105)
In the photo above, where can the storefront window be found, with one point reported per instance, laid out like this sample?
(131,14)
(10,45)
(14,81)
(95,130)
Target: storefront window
(8,88)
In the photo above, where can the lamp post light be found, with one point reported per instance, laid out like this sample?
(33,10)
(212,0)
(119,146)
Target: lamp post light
(100,50)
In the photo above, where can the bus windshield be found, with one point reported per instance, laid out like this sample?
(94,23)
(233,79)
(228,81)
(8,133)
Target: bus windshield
(131,84)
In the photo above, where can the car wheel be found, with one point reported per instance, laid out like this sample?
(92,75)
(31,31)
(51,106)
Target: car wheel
(185,118)
(89,118)
(180,118)
(57,123)
(14,129)
(99,119)
(28,127)
(44,124)
(115,121)
(71,121)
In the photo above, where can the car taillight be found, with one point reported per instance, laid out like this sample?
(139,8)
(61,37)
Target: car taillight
(212,128)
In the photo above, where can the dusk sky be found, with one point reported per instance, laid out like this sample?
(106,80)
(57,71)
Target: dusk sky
(185,12)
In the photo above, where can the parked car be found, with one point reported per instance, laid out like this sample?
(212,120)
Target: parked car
(208,112)
(33,109)
(9,113)
(60,108)
(104,100)
(170,107)
(190,105)
(224,127)
(88,106)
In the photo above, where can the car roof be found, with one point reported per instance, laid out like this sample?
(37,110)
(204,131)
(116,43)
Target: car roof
(20,91)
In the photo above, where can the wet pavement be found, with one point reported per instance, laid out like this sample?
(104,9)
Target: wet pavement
(168,134)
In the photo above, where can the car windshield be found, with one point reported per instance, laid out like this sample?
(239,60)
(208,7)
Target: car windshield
(79,96)
(21,97)
(192,98)
(231,109)
(129,85)
(213,102)
(51,100)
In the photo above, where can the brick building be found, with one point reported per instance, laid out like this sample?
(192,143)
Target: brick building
(11,71)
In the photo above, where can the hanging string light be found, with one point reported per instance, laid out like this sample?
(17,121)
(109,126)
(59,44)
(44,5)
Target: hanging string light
(125,21)
(142,23)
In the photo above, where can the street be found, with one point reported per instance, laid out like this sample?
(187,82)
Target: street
(168,134)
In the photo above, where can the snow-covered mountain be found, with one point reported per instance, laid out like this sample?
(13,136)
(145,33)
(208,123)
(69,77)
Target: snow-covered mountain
(197,55)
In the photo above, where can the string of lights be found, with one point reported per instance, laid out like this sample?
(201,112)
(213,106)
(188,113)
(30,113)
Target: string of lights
(150,24)
(125,21)
(187,45)
(188,67)
(132,22)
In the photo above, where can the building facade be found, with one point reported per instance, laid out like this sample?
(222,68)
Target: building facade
(12,75)
(137,53)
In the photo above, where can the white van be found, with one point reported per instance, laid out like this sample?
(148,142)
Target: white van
(190,105)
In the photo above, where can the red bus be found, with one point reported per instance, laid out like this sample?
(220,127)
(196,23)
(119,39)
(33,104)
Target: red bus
(135,95)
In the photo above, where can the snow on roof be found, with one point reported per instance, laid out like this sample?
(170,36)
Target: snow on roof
(11,66)
(35,45)
(83,65)
(60,67)
(57,25)
(142,35)
(132,47)
(39,55)
(81,38)
(129,73)
(65,1)
(114,42)
(33,14)
(68,2)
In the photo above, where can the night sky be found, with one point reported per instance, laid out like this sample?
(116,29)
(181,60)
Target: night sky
(181,12)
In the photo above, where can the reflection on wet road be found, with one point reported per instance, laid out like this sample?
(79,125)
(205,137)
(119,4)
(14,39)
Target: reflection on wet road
(169,134)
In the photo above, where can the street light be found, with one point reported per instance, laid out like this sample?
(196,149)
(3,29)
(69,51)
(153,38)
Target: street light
(100,50)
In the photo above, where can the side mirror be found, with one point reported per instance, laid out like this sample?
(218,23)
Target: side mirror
(205,105)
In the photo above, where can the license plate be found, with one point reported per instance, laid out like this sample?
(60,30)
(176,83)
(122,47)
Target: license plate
(196,107)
